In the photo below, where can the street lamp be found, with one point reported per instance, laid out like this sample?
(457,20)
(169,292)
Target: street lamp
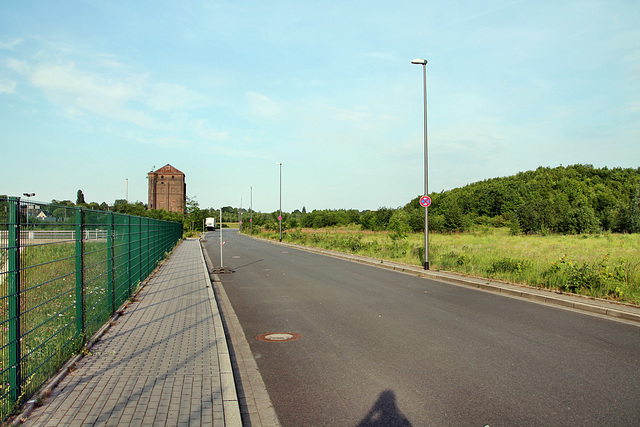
(280,217)
(251,210)
(423,62)
(28,196)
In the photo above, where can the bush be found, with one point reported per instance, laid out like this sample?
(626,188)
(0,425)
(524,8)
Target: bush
(453,260)
(508,265)
(514,228)
(297,236)
(599,279)
(436,223)
(399,225)
(352,242)
(581,219)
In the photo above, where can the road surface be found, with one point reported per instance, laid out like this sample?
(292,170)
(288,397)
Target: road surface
(379,347)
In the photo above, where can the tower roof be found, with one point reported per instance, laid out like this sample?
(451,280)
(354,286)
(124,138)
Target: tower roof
(168,170)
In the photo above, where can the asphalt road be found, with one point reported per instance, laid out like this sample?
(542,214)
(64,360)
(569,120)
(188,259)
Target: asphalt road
(383,348)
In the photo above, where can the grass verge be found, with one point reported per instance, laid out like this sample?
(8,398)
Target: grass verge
(597,265)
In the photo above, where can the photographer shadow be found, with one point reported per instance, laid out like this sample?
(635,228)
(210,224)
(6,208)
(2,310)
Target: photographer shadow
(385,412)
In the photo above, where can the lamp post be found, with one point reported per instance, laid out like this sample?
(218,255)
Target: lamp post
(251,210)
(280,217)
(423,62)
(28,196)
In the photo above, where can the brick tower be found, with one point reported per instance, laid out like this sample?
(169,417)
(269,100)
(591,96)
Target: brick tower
(167,189)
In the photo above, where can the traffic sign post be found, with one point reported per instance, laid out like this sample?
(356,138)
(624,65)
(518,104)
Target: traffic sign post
(425,201)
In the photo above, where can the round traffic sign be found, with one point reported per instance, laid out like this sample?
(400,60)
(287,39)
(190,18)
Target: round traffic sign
(425,201)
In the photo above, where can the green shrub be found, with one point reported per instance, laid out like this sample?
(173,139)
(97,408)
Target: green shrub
(595,279)
(296,236)
(399,225)
(436,222)
(508,265)
(453,260)
(514,228)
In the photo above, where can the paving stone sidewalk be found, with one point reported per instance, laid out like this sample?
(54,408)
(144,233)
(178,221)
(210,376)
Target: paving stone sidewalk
(164,362)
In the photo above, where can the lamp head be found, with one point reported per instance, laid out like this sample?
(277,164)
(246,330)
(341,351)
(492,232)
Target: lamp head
(419,61)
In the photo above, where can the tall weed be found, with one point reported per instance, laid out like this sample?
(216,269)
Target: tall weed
(600,279)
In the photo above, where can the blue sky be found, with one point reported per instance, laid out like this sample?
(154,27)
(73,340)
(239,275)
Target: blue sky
(93,93)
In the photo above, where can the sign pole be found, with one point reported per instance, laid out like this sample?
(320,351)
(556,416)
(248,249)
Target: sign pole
(423,62)
(426,173)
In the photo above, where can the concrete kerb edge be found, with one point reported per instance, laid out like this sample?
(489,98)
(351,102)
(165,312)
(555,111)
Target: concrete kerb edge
(231,406)
(260,412)
(485,284)
(45,391)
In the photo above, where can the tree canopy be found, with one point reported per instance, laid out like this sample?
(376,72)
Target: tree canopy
(572,199)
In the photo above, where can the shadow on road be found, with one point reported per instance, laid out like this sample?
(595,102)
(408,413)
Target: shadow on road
(246,265)
(385,412)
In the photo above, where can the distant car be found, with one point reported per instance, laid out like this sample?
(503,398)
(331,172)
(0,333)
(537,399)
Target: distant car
(210,224)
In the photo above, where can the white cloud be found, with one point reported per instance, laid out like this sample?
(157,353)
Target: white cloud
(203,130)
(18,66)
(67,84)
(352,116)
(10,45)
(79,92)
(168,96)
(7,86)
(383,56)
(262,106)
(110,61)
(363,120)
(122,97)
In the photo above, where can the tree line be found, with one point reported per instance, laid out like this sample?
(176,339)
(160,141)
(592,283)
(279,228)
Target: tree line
(570,200)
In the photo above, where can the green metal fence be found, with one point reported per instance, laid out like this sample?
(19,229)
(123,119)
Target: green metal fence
(63,272)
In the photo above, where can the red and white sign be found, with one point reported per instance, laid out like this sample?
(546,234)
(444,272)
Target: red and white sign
(425,201)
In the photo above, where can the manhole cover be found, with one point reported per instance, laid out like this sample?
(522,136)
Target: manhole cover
(221,270)
(279,336)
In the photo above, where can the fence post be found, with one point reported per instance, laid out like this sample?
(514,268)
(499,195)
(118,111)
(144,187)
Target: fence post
(13,247)
(110,262)
(129,272)
(148,247)
(79,274)
(139,250)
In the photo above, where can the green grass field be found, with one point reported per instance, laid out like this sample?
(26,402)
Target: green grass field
(48,333)
(598,265)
